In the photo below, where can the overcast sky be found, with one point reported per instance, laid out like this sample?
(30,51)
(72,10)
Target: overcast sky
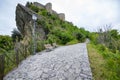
(89,14)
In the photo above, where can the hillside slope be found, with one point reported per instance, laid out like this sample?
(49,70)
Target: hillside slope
(50,26)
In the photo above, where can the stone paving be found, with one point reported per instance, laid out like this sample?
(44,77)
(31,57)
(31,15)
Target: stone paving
(63,63)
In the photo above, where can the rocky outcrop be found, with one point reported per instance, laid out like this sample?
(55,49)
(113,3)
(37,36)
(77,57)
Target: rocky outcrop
(24,22)
(23,19)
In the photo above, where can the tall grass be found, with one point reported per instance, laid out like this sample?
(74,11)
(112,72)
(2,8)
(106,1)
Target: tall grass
(105,64)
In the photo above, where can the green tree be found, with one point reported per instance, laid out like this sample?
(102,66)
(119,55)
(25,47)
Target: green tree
(80,36)
(114,34)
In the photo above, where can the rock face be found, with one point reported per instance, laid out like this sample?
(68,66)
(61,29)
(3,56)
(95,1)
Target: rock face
(24,22)
(23,19)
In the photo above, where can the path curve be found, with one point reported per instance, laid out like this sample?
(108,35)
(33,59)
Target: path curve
(63,63)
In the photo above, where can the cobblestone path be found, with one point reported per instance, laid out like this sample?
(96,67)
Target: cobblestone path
(63,63)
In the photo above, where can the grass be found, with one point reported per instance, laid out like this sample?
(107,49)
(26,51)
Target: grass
(97,63)
(105,65)
(73,42)
(10,58)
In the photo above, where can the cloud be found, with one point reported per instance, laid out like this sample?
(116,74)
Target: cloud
(83,13)
(7,15)
(88,13)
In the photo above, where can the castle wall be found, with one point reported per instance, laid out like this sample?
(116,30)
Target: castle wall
(39,5)
(61,16)
(48,7)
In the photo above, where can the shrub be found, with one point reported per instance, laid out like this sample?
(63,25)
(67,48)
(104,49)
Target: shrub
(63,36)
(54,17)
(6,43)
(44,24)
(80,37)
(51,39)
(34,8)
(40,46)
(101,48)
(93,37)
(72,42)
(44,12)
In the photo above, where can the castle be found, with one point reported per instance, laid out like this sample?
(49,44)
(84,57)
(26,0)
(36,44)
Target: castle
(48,7)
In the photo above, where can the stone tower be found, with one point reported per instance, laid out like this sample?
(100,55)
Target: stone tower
(61,16)
(48,7)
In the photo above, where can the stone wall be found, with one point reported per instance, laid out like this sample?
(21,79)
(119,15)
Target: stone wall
(61,16)
(39,5)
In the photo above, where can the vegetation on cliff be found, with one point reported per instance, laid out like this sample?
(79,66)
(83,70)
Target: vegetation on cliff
(6,43)
(57,30)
